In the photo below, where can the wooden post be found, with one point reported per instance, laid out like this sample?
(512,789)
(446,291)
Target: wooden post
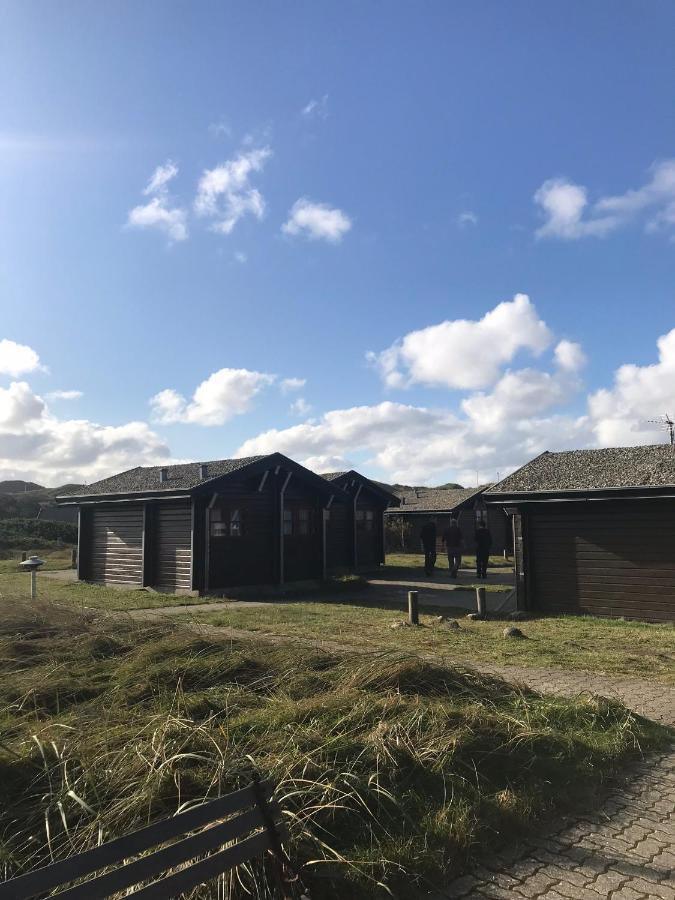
(33,584)
(23,556)
(506,553)
(413,611)
(480,601)
(73,558)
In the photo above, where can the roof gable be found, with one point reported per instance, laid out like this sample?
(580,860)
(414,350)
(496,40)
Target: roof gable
(343,478)
(436,499)
(185,478)
(611,468)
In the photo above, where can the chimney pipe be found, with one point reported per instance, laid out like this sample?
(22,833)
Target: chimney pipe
(203,470)
(163,475)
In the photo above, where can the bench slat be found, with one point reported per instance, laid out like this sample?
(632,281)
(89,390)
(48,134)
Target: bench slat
(202,871)
(160,860)
(25,886)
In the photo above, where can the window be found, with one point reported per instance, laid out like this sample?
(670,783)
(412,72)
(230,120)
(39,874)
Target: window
(370,519)
(288,521)
(481,517)
(226,523)
(303,521)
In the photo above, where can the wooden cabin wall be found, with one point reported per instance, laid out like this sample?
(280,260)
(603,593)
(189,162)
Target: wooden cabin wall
(303,535)
(244,554)
(171,538)
(369,536)
(113,549)
(608,558)
(339,536)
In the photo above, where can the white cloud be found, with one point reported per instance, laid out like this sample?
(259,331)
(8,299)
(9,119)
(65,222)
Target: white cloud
(413,444)
(160,178)
(64,395)
(461,353)
(570,356)
(317,221)
(620,414)
(316,108)
(292,384)
(37,445)
(240,257)
(300,407)
(158,212)
(225,193)
(569,214)
(467,218)
(18,359)
(224,394)
(517,397)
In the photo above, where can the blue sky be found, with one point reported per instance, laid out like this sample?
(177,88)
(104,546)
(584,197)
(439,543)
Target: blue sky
(333,180)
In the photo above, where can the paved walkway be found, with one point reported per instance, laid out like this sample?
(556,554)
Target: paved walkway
(625,851)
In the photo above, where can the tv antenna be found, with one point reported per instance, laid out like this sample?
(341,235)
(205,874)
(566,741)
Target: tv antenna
(667,424)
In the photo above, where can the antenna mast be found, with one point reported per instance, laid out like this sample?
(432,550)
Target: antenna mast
(667,424)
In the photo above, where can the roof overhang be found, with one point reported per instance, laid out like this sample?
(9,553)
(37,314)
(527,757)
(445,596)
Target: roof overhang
(642,492)
(88,499)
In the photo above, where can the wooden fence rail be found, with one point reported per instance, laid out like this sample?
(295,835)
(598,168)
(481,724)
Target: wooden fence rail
(246,820)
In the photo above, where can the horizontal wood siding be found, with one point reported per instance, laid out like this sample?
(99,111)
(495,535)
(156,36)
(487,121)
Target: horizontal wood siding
(115,544)
(172,557)
(605,559)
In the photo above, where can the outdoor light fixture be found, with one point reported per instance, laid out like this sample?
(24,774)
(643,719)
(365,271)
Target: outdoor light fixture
(32,564)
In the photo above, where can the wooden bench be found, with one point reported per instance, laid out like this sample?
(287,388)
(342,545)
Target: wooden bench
(246,820)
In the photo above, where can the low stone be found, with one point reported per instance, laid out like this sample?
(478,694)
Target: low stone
(475,617)
(511,632)
(447,622)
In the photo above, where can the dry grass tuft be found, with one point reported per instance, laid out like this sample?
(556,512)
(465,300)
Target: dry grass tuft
(391,770)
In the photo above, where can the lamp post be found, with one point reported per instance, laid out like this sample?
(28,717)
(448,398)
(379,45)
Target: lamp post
(32,564)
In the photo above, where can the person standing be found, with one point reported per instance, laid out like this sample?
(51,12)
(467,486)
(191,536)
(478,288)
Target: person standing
(453,541)
(428,536)
(483,545)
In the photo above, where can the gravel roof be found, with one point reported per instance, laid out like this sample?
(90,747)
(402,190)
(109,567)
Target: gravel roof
(332,476)
(590,470)
(434,499)
(146,478)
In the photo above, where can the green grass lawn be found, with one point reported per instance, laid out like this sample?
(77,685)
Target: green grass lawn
(391,770)
(576,642)
(15,585)
(416,561)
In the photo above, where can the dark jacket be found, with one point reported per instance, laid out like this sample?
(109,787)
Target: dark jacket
(428,536)
(452,537)
(483,540)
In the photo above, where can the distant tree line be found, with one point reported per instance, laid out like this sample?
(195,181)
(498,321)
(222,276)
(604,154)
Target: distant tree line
(33,534)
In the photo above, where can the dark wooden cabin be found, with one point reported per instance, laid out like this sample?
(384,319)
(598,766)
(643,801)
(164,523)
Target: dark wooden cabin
(205,526)
(355,530)
(595,531)
(467,505)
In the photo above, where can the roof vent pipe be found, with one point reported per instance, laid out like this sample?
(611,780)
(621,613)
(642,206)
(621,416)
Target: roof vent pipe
(163,475)
(203,470)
